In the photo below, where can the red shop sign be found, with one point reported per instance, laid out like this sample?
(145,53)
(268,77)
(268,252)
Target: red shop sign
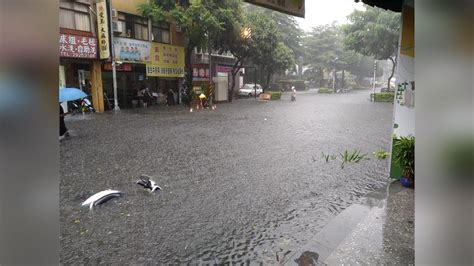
(77,46)
(224,69)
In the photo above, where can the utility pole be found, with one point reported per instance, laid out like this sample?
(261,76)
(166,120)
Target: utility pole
(210,65)
(112,52)
(334,77)
(375,71)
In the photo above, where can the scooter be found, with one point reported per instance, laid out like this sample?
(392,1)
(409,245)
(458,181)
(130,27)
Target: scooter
(80,106)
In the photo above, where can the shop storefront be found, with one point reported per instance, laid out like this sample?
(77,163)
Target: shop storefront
(165,71)
(78,64)
(201,76)
(140,65)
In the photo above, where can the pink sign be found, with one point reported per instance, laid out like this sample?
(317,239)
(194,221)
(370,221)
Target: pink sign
(77,46)
(224,69)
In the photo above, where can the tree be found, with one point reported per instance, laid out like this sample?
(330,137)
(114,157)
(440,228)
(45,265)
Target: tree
(375,33)
(288,29)
(282,59)
(325,51)
(266,48)
(234,39)
(197,20)
(290,34)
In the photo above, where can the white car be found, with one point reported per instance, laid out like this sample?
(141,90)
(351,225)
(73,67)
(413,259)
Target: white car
(249,90)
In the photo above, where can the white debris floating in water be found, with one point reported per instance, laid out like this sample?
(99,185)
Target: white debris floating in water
(101,197)
(146,182)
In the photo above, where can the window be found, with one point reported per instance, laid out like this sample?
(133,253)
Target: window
(161,32)
(74,15)
(133,26)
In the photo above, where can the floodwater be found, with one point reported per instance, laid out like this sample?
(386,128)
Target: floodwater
(245,183)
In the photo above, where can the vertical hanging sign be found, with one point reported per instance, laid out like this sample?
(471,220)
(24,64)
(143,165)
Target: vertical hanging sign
(103,29)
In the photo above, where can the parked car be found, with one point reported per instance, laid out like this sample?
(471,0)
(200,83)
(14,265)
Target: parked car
(249,90)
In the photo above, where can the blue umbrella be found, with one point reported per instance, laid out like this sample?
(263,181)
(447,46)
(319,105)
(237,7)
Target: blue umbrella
(70,94)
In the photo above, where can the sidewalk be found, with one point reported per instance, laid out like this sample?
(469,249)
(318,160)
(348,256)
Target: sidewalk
(378,232)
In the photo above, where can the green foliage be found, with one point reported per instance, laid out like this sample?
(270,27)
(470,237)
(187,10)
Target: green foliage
(273,87)
(404,155)
(199,21)
(373,32)
(275,95)
(350,157)
(299,84)
(383,97)
(381,154)
(346,157)
(325,51)
(290,31)
(266,48)
(324,90)
(325,156)
(288,28)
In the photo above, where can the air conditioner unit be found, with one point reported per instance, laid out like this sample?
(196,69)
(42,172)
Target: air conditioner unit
(117,26)
(178,28)
(114,13)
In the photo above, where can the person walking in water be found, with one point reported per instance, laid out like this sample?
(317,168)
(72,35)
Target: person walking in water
(293,94)
(63,132)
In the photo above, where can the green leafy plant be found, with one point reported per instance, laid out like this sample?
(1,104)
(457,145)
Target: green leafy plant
(324,90)
(275,95)
(328,157)
(325,156)
(383,97)
(381,154)
(348,157)
(404,155)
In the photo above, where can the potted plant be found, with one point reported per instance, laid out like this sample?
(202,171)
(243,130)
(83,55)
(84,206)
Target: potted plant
(404,156)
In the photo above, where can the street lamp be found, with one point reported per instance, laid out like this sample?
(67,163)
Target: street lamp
(246,33)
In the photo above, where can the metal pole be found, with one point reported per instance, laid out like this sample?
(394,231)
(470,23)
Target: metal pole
(255,85)
(334,81)
(375,71)
(335,76)
(112,52)
(210,65)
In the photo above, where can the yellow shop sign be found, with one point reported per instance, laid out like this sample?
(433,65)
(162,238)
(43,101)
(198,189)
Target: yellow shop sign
(166,61)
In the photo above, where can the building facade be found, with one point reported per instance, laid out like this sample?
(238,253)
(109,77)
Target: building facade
(215,69)
(78,50)
(146,54)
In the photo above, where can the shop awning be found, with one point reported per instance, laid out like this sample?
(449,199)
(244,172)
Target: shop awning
(393,5)
(291,7)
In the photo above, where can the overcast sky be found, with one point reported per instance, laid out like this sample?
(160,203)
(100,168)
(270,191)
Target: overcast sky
(319,12)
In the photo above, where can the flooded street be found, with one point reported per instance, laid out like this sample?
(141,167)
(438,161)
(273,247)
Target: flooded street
(240,184)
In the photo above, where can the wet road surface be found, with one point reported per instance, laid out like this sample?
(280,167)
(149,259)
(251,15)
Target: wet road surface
(240,183)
